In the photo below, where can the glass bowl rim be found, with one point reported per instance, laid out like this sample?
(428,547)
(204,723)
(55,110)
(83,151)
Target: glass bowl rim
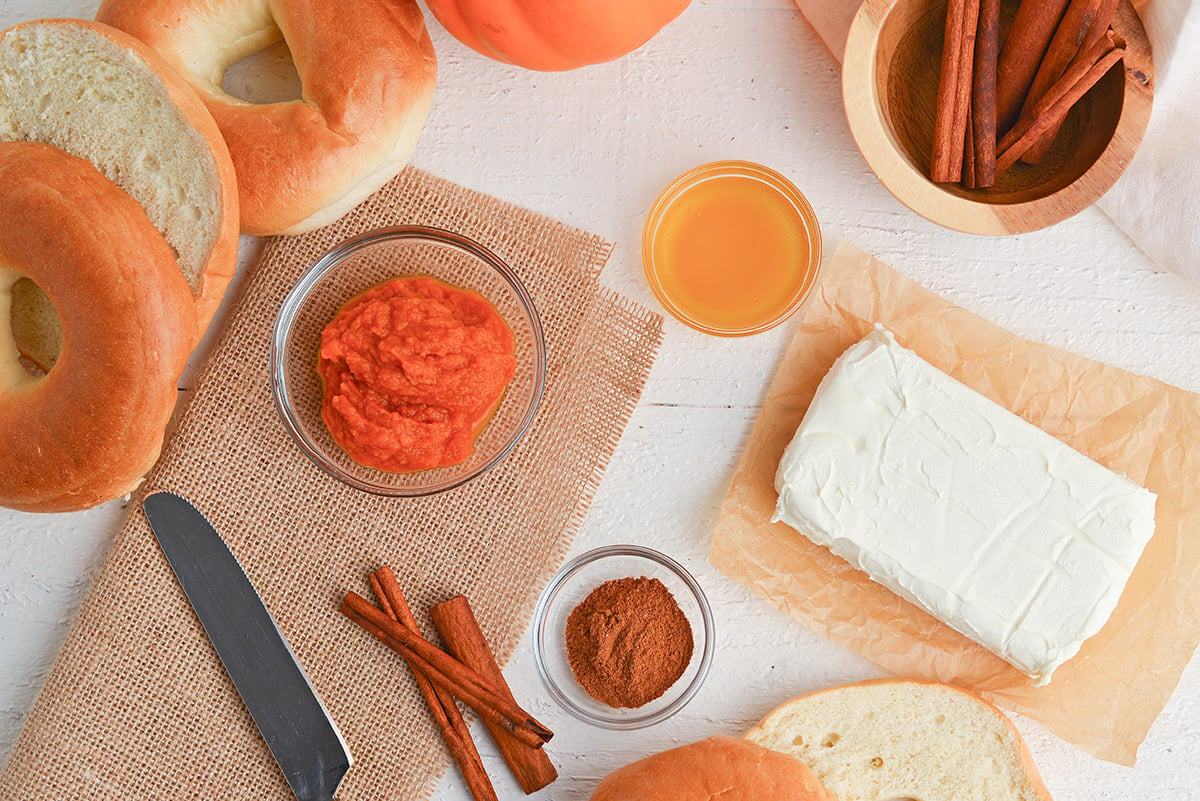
(784,186)
(568,571)
(282,331)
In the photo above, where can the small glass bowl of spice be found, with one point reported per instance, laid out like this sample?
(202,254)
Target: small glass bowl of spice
(623,637)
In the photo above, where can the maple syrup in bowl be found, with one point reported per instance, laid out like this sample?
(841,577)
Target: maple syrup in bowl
(731,248)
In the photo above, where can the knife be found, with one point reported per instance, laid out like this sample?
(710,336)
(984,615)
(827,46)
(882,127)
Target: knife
(298,730)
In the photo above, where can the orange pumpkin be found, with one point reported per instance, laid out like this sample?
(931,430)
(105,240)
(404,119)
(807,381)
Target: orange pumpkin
(555,34)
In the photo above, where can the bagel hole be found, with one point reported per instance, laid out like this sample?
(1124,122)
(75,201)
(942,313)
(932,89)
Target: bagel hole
(265,76)
(35,328)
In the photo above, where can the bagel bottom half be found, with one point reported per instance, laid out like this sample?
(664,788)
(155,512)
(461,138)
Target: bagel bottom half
(716,769)
(89,429)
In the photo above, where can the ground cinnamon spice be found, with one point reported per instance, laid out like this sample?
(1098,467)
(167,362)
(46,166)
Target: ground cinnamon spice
(628,641)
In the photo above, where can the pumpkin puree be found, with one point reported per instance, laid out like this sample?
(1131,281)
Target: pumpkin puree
(412,370)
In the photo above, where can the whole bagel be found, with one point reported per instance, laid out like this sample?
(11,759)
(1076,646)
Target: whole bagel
(88,430)
(367,71)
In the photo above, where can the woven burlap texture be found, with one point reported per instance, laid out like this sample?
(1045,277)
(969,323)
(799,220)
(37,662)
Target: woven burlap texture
(138,706)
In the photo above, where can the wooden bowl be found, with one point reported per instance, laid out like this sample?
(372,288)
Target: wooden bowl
(889,83)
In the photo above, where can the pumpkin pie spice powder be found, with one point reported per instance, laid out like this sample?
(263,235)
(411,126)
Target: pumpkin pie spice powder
(628,641)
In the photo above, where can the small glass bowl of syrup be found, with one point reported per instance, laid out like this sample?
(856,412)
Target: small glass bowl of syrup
(731,248)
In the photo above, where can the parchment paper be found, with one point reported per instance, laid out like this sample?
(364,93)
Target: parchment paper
(1106,698)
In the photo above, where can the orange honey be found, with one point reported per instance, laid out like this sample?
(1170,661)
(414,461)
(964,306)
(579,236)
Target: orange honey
(731,248)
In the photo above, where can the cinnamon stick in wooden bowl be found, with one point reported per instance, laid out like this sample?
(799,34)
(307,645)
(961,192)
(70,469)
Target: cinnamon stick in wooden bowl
(920,75)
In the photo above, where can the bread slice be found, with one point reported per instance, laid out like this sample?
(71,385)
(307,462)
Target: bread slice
(716,769)
(891,739)
(99,94)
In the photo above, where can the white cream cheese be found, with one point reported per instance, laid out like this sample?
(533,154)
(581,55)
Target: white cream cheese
(986,522)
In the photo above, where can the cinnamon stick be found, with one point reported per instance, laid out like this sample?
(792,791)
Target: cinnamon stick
(1052,109)
(969,164)
(1023,50)
(460,631)
(1084,22)
(1104,18)
(983,96)
(948,134)
(445,671)
(1075,73)
(441,704)
(963,86)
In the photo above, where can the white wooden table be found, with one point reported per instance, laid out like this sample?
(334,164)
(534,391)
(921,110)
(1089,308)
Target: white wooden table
(745,79)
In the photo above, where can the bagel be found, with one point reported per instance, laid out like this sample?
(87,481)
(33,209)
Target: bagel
(367,72)
(87,431)
(901,738)
(716,769)
(99,94)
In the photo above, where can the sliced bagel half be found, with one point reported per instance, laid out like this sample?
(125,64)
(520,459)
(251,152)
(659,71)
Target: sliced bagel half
(101,95)
(900,739)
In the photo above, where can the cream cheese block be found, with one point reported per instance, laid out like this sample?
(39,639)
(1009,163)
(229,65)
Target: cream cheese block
(988,523)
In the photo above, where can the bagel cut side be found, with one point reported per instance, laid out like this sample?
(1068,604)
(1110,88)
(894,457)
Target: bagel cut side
(894,738)
(99,94)
(716,769)
(88,430)
(367,72)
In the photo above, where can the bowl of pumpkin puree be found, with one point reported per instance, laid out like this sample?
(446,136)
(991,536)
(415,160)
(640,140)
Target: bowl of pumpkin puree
(407,361)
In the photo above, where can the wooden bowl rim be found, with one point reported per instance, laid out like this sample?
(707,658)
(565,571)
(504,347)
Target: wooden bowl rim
(915,190)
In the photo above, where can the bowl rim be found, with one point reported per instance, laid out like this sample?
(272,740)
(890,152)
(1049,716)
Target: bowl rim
(282,332)
(565,574)
(721,169)
(876,142)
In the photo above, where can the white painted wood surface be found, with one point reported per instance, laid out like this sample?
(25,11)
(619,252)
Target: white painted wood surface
(744,79)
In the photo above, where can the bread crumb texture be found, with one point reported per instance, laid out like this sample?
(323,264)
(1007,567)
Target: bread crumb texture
(903,740)
(71,87)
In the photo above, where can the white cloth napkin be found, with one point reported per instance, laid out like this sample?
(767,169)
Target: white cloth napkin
(1157,200)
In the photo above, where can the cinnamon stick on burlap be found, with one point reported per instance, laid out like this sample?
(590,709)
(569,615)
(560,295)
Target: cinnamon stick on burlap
(1023,50)
(460,632)
(446,671)
(1080,77)
(441,704)
(1084,22)
(954,91)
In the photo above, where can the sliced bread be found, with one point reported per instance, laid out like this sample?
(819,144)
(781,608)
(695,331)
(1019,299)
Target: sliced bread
(99,94)
(893,739)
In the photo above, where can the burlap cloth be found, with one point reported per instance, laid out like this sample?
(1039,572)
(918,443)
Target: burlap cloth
(138,706)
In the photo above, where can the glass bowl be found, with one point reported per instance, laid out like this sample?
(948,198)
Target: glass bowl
(570,586)
(731,248)
(366,261)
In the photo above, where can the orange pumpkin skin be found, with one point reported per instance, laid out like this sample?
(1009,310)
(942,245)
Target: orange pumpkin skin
(555,34)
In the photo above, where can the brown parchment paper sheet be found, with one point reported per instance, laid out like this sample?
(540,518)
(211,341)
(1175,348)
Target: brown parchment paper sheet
(1106,698)
(138,706)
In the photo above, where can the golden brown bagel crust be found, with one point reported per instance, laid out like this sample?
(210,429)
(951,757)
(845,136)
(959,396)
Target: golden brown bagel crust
(367,69)
(90,429)
(215,275)
(716,769)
